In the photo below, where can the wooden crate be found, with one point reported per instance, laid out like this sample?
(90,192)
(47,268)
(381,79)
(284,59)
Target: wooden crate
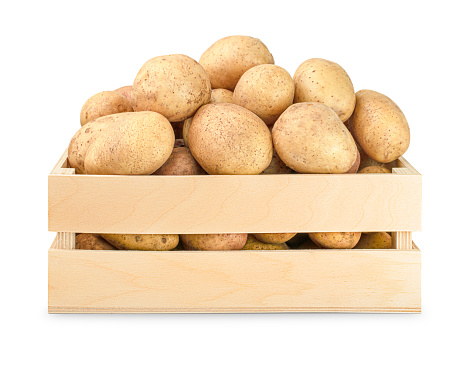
(235,281)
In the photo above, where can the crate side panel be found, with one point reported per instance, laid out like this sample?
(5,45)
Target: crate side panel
(237,281)
(234,204)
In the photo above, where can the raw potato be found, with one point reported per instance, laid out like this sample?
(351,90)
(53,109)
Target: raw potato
(221,96)
(379,126)
(125,91)
(357,162)
(133,143)
(88,241)
(277,166)
(214,242)
(226,139)
(173,85)
(319,80)
(178,143)
(142,242)
(375,240)
(230,57)
(374,169)
(181,162)
(186,125)
(335,240)
(266,90)
(274,237)
(253,244)
(310,138)
(297,240)
(104,104)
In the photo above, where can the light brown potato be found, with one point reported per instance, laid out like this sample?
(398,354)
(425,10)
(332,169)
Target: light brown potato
(180,163)
(335,240)
(357,162)
(89,241)
(253,244)
(186,125)
(379,126)
(310,138)
(104,104)
(125,91)
(142,242)
(221,96)
(319,80)
(230,57)
(375,240)
(266,90)
(374,169)
(133,143)
(173,85)
(277,166)
(226,139)
(274,237)
(214,242)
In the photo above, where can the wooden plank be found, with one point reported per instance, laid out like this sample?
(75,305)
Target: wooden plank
(82,281)
(235,204)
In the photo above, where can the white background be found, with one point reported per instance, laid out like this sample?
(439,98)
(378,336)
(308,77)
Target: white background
(57,54)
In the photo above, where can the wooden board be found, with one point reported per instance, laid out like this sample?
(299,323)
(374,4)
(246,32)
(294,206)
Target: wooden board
(235,204)
(82,281)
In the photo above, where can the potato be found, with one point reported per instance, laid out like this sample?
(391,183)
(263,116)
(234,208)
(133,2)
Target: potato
(357,162)
(375,240)
(221,96)
(173,85)
(142,242)
(132,143)
(266,90)
(277,166)
(181,162)
(186,125)
(214,242)
(226,139)
(230,57)
(319,80)
(335,240)
(253,244)
(310,138)
(274,237)
(125,91)
(88,241)
(374,169)
(104,104)
(379,126)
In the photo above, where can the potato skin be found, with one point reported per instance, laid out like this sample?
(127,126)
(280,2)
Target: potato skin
(335,240)
(226,139)
(172,85)
(253,244)
(230,57)
(266,90)
(221,95)
(277,166)
(89,241)
(375,240)
(357,162)
(374,169)
(125,91)
(180,163)
(186,125)
(319,80)
(310,138)
(142,242)
(275,238)
(133,143)
(214,242)
(104,104)
(379,126)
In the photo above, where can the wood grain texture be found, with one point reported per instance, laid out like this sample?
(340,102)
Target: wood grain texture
(234,204)
(84,281)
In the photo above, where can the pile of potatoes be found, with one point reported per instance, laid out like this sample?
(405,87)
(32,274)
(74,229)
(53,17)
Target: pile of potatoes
(237,113)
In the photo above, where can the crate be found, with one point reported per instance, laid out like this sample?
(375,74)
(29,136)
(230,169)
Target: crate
(235,281)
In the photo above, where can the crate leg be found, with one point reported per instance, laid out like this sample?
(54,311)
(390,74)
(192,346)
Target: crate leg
(66,240)
(402,240)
